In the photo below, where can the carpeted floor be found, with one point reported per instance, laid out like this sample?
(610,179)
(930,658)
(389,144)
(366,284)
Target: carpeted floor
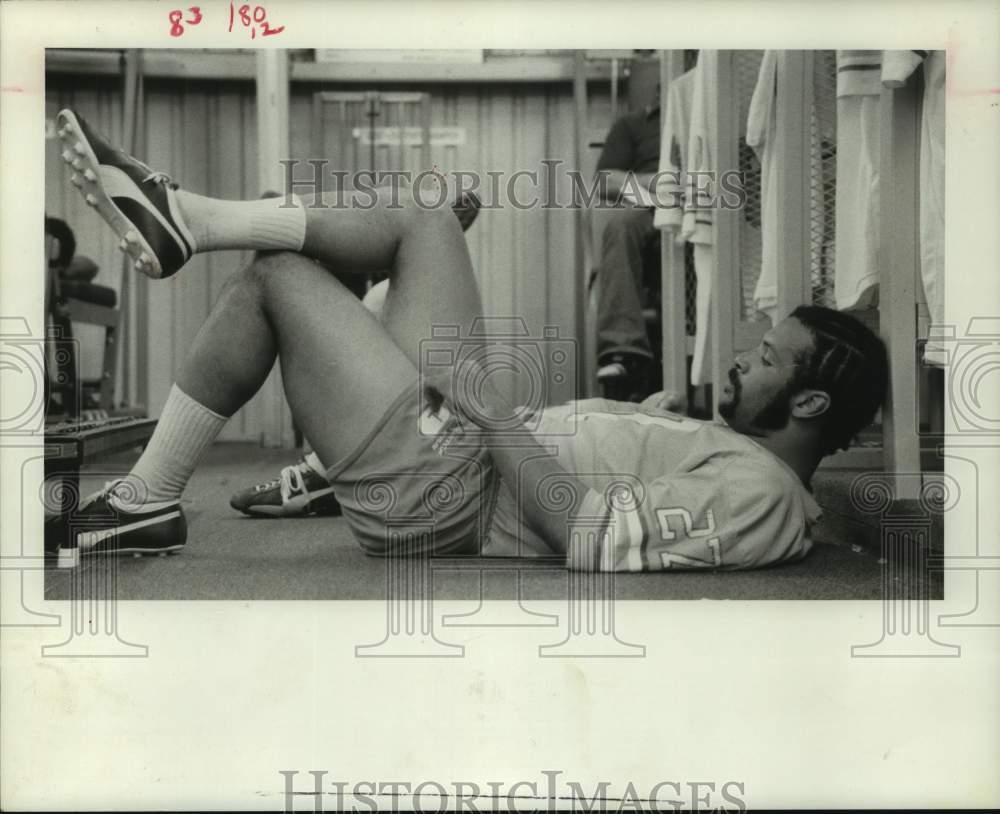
(229,556)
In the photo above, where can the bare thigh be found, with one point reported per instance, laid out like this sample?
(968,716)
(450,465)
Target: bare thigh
(340,368)
(432,282)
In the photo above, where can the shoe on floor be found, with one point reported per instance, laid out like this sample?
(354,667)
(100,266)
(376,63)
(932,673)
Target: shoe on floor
(104,525)
(299,491)
(136,201)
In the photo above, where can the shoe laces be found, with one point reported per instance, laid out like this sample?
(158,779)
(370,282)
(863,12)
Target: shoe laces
(106,492)
(158,177)
(291,481)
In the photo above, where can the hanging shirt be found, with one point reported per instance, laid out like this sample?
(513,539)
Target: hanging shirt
(696,225)
(897,69)
(762,125)
(665,492)
(673,153)
(859,87)
(761,132)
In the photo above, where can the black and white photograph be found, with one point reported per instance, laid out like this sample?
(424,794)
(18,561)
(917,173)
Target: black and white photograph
(652,338)
(609,355)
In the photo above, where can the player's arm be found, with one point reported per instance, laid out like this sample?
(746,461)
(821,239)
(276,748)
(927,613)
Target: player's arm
(617,155)
(521,460)
(618,181)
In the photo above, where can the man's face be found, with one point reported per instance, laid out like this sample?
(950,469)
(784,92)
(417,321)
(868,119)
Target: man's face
(757,397)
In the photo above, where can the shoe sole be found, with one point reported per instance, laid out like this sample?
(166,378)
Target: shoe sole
(95,548)
(295,507)
(135,552)
(81,158)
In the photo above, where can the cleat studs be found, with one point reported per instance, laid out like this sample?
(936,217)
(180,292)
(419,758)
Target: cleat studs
(123,245)
(131,237)
(67,156)
(80,149)
(89,175)
(76,180)
(163,554)
(136,555)
(91,200)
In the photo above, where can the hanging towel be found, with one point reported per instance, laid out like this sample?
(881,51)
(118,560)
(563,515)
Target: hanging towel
(859,86)
(673,153)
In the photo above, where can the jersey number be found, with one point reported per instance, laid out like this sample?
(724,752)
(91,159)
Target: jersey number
(705,532)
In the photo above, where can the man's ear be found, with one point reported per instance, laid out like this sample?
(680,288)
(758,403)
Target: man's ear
(810,403)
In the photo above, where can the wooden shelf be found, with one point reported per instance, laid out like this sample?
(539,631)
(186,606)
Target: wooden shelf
(241,66)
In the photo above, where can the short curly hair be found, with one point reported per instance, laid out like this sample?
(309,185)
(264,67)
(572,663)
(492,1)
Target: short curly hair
(850,363)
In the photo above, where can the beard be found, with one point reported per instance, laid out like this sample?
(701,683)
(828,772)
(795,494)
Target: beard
(772,416)
(727,409)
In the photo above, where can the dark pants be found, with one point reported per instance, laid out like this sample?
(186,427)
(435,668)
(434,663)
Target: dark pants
(620,326)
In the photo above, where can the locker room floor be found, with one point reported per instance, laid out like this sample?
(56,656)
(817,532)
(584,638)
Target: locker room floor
(232,557)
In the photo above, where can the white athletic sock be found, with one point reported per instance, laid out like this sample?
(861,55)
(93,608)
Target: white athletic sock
(315,464)
(262,225)
(185,430)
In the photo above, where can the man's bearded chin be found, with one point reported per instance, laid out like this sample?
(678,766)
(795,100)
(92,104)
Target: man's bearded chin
(771,417)
(728,409)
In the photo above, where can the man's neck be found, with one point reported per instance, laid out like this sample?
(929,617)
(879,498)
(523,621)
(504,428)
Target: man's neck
(802,457)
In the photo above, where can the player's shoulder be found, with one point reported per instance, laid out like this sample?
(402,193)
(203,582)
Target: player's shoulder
(741,459)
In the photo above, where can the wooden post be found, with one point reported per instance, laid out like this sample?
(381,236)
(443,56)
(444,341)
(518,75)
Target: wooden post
(725,225)
(132,290)
(584,261)
(794,101)
(672,280)
(273,145)
(899,267)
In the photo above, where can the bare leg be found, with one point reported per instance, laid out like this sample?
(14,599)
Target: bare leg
(431,277)
(340,367)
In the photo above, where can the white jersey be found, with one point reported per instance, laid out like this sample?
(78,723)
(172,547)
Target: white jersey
(665,492)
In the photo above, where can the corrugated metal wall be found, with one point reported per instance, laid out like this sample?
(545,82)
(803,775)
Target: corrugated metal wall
(204,134)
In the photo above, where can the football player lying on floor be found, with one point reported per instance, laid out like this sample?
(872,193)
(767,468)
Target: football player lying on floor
(649,490)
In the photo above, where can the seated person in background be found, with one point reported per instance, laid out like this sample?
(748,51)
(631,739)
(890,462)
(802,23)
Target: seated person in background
(653,491)
(629,160)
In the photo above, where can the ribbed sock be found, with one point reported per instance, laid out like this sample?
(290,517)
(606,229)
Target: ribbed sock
(262,225)
(315,464)
(185,430)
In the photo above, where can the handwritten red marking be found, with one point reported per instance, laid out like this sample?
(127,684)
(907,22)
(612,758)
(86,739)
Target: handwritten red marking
(12,89)
(176,16)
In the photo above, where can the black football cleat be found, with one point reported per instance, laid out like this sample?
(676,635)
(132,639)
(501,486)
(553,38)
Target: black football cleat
(137,202)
